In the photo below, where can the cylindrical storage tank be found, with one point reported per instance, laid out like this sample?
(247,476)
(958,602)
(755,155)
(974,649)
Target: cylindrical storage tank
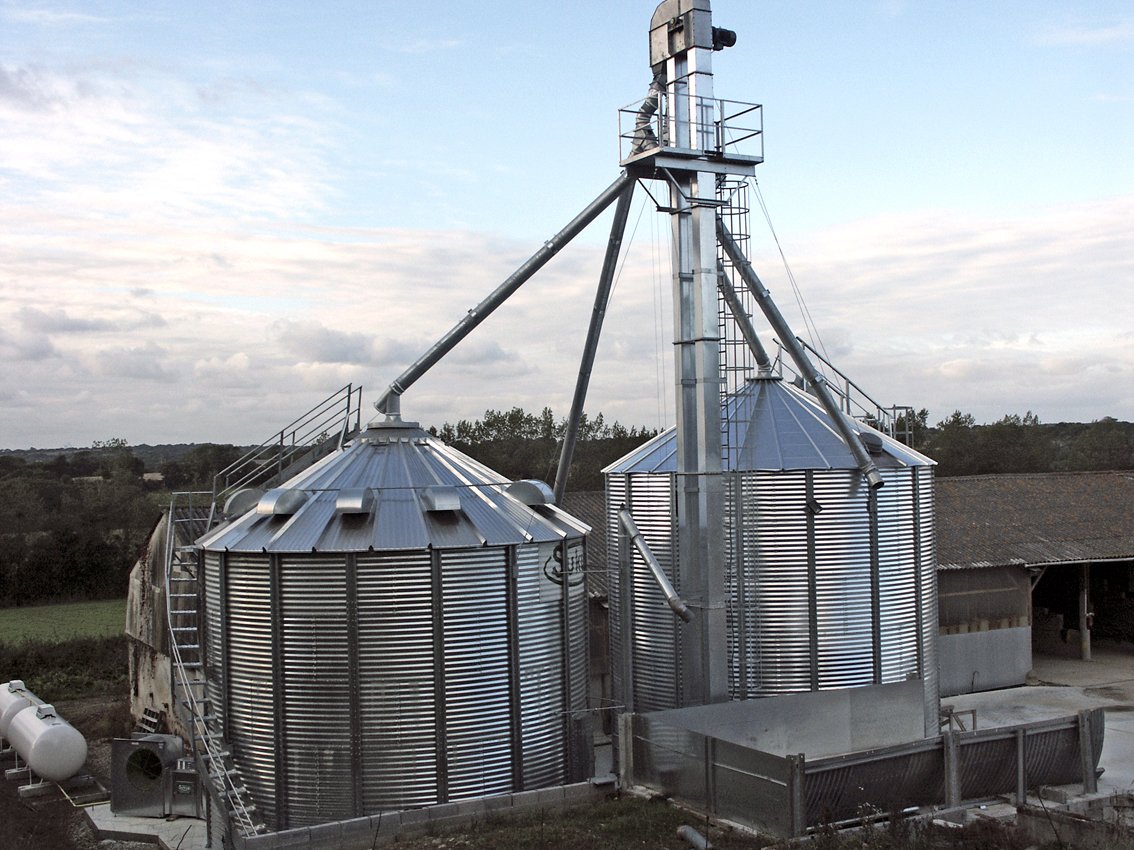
(53,748)
(14,698)
(397,626)
(830,584)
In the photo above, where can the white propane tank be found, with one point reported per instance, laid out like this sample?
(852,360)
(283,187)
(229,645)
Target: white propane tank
(52,747)
(14,698)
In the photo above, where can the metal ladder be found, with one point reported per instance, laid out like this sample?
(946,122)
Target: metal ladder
(314,434)
(189,518)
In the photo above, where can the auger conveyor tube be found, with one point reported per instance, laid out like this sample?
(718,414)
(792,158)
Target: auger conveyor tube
(499,295)
(802,361)
(680,608)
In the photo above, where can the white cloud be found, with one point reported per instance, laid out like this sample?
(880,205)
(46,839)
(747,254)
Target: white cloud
(1087,35)
(114,141)
(49,17)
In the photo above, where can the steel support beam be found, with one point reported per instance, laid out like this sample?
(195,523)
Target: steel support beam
(802,361)
(598,314)
(744,322)
(388,402)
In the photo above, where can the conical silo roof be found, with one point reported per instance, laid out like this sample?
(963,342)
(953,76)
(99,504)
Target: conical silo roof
(395,487)
(773,425)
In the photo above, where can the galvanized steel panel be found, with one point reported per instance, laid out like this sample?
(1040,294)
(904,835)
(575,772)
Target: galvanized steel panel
(396,691)
(820,595)
(316,689)
(655,637)
(477,695)
(396,670)
(213,635)
(844,603)
(396,466)
(927,546)
(543,723)
(772,426)
(250,712)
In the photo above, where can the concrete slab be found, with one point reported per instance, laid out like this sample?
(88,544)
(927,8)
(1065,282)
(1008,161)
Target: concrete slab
(1064,686)
(175,834)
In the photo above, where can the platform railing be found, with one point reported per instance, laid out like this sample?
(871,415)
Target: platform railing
(896,420)
(318,431)
(723,128)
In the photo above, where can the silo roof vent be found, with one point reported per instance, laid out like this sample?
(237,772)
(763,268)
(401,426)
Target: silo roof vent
(281,501)
(530,492)
(441,499)
(354,501)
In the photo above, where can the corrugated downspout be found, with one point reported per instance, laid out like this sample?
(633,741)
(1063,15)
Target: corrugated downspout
(675,602)
(802,361)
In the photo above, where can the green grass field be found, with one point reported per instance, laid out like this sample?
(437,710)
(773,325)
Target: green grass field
(54,623)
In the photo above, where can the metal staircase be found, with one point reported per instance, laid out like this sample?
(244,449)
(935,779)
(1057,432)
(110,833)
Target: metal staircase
(316,433)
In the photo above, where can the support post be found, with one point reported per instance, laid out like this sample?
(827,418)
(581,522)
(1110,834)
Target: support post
(388,402)
(1021,768)
(796,808)
(1087,753)
(598,313)
(1085,612)
(952,769)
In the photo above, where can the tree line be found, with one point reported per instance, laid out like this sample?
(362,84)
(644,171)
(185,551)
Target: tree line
(71,527)
(72,523)
(1016,443)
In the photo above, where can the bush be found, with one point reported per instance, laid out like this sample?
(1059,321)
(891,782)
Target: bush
(71,669)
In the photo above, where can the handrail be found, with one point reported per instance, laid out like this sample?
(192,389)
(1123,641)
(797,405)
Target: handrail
(857,403)
(726,125)
(330,419)
(201,731)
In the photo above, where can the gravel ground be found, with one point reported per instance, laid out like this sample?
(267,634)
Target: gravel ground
(50,822)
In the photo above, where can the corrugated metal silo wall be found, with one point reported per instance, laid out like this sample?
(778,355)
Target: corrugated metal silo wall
(553,656)
(316,712)
(927,562)
(827,580)
(396,676)
(352,684)
(656,649)
(830,585)
(249,710)
(475,657)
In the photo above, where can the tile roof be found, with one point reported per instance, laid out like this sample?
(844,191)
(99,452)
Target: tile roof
(992,520)
(1045,518)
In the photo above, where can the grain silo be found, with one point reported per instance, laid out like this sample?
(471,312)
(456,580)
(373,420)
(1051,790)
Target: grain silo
(830,583)
(394,627)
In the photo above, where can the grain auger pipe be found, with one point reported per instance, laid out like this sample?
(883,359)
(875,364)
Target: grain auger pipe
(388,403)
(744,322)
(802,361)
(675,602)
